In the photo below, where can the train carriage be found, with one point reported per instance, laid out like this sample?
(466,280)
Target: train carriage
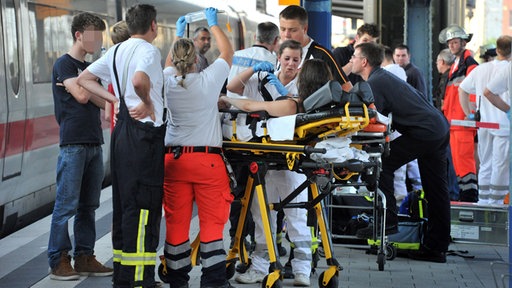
(34,34)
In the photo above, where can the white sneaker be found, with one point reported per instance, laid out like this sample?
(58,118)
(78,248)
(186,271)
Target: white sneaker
(301,280)
(250,276)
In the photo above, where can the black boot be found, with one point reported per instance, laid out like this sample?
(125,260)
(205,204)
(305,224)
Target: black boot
(427,254)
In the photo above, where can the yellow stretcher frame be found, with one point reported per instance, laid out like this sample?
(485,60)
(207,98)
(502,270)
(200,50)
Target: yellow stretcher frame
(294,157)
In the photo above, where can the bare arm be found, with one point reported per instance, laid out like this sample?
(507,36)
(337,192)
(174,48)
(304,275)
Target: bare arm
(274,108)
(237,84)
(80,94)
(347,68)
(98,101)
(225,48)
(496,100)
(89,82)
(168,60)
(142,86)
(464,101)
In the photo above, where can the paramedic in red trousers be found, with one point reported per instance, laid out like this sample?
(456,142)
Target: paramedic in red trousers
(293,24)
(137,146)
(462,139)
(425,136)
(194,165)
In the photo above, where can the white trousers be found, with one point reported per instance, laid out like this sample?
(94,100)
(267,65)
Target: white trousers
(413,172)
(279,184)
(493,173)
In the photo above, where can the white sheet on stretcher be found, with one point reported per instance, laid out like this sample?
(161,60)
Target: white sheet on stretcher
(338,150)
(279,129)
(385,120)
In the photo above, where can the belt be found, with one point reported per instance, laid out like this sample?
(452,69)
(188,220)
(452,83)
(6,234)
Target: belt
(193,149)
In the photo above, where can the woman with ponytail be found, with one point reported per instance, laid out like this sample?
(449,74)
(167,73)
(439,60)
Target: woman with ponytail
(194,165)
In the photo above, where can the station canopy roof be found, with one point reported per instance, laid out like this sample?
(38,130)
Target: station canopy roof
(348,8)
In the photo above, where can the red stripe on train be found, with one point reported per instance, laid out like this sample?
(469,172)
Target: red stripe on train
(39,132)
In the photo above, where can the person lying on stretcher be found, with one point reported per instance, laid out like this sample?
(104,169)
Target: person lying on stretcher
(314,74)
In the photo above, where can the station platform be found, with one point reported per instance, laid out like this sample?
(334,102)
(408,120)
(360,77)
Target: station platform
(23,262)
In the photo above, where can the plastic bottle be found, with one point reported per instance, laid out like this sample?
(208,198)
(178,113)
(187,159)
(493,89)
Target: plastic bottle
(195,16)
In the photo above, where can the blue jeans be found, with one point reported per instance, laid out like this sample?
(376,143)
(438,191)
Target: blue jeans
(79,177)
(453,182)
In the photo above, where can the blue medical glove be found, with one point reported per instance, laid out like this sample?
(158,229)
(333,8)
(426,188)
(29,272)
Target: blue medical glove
(263,66)
(211,16)
(272,79)
(180,26)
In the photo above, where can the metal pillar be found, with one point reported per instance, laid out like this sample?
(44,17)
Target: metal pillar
(320,19)
(418,37)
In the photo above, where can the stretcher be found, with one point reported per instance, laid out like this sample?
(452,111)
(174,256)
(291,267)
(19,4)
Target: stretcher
(347,117)
(330,113)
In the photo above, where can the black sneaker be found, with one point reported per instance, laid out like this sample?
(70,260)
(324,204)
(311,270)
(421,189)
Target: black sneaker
(242,268)
(367,232)
(427,254)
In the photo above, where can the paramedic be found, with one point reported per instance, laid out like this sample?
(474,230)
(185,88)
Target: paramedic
(425,136)
(267,42)
(293,24)
(493,144)
(279,184)
(194,165)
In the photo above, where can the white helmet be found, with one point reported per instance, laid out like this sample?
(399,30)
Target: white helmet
(453,31)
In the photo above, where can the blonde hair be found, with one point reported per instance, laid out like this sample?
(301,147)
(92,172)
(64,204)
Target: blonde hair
(183,57)
(119,32)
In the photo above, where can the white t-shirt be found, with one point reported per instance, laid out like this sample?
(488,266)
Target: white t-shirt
(247,58)
(476,82)
(396,70)
(501,82)
(251,89)
(194,115)
(146,58)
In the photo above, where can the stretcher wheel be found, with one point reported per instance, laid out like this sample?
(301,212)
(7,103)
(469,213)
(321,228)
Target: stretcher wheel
(381,260)
(333,282)
(230,270)
(162,274)
(390,252)
(277,284)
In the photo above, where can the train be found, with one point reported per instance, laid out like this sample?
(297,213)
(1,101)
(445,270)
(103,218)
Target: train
(34,34)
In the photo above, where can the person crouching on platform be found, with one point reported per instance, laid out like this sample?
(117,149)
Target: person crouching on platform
(425,136)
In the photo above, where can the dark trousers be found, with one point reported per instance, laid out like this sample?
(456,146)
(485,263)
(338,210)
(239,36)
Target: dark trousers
(137,162)
(432,162)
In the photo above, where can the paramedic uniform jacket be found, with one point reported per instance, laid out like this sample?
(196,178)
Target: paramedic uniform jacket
(317,51)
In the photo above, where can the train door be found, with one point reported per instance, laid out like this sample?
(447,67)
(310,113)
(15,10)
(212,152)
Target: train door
(13,90)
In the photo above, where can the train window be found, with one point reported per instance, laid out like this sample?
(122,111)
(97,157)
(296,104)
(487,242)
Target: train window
(50,37)
(11,43)
(164,41)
